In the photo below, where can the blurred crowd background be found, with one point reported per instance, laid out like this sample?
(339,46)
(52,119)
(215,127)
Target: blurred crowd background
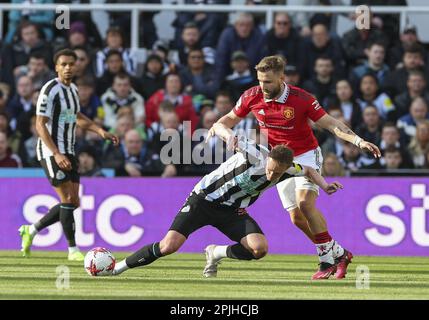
(374,80)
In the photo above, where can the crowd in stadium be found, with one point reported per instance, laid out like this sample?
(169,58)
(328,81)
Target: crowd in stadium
(374,80)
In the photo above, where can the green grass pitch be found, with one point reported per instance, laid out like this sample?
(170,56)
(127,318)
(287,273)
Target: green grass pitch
(179,276)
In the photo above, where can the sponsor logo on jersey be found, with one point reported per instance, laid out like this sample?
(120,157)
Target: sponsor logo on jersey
(60,175)
(316,105)
(289,113)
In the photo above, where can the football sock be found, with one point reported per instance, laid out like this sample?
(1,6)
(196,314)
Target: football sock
(67,221)
(237,251)
(120,267)
(337,250)
(73,249)
(219,252)
(144,256)
(324,246)
(51,217)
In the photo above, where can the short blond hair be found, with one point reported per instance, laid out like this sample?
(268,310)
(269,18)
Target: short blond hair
(275,64)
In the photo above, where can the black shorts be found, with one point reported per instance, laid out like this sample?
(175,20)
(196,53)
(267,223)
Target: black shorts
(198,212)
(58,176)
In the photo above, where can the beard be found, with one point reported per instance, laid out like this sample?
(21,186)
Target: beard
(273,94)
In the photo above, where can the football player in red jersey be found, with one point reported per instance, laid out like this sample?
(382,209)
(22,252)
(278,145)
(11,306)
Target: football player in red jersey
(284,111)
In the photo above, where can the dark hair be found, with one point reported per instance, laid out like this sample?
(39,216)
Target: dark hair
(25,24)
(392,149)
(376,43)
(224,93)
(64,52)
(414,48)
(114,52)
(371,75)
(416,72)
(86,81)
(390,125)
(190,25)
(325,57)
(38,56)
(281,154)
(123,75)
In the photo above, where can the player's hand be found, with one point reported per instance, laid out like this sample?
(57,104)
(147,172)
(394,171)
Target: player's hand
(242,211)
(333,187)
(232,143)
(108,136)
(62,161)
(365,145)
(210,133)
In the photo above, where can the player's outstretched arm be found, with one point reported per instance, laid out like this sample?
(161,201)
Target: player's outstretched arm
(329,188)
(229,120)
(345,133)
(87,124)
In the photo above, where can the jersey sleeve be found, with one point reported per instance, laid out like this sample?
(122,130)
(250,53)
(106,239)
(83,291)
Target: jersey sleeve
(44,104)
(241,108)
(295,170)
(315,110)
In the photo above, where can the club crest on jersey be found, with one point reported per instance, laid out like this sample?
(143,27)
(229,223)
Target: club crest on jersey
(60,175)
(289,113)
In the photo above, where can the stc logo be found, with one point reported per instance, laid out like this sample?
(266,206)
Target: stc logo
(103,220)
(396,225)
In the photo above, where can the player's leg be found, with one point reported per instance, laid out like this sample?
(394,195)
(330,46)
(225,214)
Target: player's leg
(327,248)
(190,218)
(286,191)
(251,242)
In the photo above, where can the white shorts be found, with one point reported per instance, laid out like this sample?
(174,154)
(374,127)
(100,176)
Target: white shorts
(287,188)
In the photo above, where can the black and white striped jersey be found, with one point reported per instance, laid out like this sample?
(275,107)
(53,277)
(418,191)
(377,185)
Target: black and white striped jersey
(239,181)
(60,103)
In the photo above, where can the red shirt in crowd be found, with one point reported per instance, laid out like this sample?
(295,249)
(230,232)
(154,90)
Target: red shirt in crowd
(183,107)
(10,161)
(286,118)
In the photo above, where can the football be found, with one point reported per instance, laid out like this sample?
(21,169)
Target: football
(99,262)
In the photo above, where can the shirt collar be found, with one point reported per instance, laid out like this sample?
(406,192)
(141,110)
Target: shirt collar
(283,97)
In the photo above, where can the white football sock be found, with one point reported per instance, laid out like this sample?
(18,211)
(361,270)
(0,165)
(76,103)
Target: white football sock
(219,252)
(120,267)
(325,252)
(73,249)
(33,231)
(337,250)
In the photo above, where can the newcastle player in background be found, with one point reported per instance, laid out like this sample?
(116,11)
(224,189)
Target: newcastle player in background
(220,199)
(57,114)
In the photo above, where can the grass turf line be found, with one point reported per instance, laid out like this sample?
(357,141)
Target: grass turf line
(179,276)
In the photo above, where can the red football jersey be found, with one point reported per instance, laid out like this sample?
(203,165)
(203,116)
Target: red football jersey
(285,119)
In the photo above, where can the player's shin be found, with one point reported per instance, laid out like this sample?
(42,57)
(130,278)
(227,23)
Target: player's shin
(238,251)
(48,219)
(67,221)
(142,257)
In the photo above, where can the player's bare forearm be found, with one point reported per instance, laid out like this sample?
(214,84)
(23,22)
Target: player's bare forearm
(314,176)
(229,120)
(43,133)
(222,131)
(87,124)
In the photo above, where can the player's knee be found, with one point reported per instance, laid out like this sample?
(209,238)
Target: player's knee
(169,246)
(260,251)
(305,206)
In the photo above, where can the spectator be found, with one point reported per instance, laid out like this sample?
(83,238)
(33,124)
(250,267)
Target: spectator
(88,166)
(418,113)
(153,78)
(393,159)
(408,38)
(83,64)
(416,87)
(28,151)
(22,102)
(78,36)
(356,40)
(14,138)
(162,49)
(390,137)
(374,64)
(37,70)
(115,41)
(283,39)
(223,103)
(329,143)
(292,76)
(90,104)
(332,166)
(351,158)
(133,158)
(115,66)
(419,145)
(396,81)
(345,100)
(198,77)
(18,53)
(173,93)
(370,94)
(322,84)
(41,19)
(122,94)
(210,24)
(322,44)
(370,129)
(3,101)
(7,158)
(243,36)
(191,39)
(242,77)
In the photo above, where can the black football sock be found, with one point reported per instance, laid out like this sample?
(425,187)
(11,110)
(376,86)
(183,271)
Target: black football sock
(51,217)
(67,221)
(237,251)
(144,256)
